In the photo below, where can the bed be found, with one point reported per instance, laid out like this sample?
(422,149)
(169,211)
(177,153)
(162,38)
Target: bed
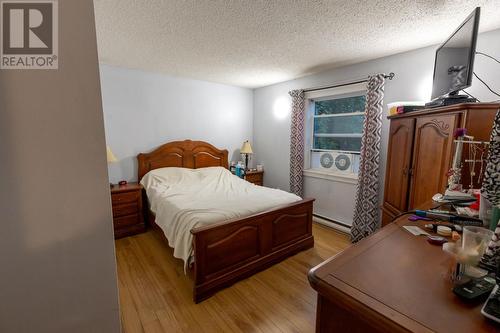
(230,250)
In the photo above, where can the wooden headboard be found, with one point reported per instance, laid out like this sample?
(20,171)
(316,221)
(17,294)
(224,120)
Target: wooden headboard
(182,154)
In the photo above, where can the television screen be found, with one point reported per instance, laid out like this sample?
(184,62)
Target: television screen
(455,59)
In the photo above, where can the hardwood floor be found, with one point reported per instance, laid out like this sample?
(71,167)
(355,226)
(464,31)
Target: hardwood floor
(156,296)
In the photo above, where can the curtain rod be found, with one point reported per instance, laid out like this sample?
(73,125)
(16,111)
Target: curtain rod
(389,76)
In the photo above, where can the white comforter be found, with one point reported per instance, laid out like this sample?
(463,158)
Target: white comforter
(183,199)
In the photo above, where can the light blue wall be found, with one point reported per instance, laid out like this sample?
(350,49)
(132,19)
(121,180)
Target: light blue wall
(412,82)
(143,110)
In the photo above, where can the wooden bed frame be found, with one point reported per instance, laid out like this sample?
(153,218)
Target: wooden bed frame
(232,250)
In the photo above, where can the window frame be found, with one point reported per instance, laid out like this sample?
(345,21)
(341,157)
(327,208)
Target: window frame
(326,94)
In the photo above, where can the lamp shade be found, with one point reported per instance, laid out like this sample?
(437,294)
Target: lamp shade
(246,148)
(111,157)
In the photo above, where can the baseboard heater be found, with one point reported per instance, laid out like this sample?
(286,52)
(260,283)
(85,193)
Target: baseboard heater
(340,224)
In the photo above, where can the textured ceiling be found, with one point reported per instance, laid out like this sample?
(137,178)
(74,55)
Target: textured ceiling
(253,43)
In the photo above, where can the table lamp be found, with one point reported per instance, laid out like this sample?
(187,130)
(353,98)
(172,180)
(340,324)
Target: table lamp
(246,150)
(110,156)
(111,159)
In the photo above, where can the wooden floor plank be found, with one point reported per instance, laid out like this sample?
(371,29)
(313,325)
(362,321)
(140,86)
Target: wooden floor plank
(156,296)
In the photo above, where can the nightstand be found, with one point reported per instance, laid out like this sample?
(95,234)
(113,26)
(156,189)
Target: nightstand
(127,209)
(256,177)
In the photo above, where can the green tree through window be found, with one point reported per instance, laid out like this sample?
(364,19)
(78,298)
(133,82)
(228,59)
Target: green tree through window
(338,123)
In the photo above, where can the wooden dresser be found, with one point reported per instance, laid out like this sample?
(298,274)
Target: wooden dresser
(127,209)
(392,281)
(256,177)
(420,152)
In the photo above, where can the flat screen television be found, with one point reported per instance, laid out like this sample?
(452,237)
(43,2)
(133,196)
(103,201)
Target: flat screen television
(453,67)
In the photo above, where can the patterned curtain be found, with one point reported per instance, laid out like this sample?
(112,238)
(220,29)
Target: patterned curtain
(297,142)
(366,212)
(491,181)
(491,191)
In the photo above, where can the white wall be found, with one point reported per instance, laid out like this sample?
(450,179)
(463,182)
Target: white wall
(413,81)
(58,271)
(143,110)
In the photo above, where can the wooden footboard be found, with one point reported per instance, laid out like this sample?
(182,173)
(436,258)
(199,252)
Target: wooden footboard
(230,251)
(235,249)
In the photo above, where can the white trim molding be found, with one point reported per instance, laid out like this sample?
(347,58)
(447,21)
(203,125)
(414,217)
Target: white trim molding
(349,178)
(347,89)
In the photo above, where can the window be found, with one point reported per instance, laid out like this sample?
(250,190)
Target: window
(338,123)
(335,127)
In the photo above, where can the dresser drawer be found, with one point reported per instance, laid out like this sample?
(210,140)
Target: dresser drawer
(125,197)
(255,177)
(126,220)
(125,209)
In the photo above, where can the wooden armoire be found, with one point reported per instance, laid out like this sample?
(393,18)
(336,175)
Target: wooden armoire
(420,152)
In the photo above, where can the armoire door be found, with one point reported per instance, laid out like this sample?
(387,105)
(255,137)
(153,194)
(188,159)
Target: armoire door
(398,164)
(432,155)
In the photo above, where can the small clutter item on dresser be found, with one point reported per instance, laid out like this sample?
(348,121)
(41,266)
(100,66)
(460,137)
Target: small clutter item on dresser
(434,227)
(434,215)
(449,217)
(474,244)
(475,241)
(240,170)
(444,230)
(472,154)
(467,253)
(404,107)
(436,240)
(475,288)
(418,218)
(491,308)
(414,230)
(452,195)
(467,211)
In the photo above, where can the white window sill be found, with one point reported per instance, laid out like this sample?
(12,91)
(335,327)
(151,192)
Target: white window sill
(350,178)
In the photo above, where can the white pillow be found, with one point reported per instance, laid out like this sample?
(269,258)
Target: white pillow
(174,176)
